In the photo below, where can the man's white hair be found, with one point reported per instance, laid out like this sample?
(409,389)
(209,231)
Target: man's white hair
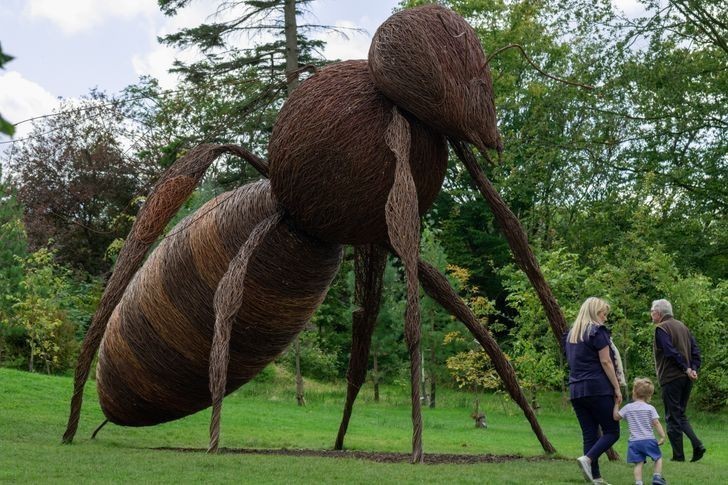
(663,307)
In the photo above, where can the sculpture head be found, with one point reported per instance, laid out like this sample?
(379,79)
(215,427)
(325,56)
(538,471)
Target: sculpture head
(429,61)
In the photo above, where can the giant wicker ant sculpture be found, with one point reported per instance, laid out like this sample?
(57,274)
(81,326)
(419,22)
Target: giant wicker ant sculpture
(357,154)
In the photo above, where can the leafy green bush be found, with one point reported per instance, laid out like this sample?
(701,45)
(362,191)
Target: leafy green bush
(53,310)
(315,362)
(629,276)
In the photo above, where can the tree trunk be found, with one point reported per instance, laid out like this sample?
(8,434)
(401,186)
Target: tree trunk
(376,378)
(299,378)
(423,379)
(289,16)
(30,360)
(433,383)
(477,416)
(433,386)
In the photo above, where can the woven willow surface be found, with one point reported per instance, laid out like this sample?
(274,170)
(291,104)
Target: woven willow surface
(154,358)
(357,155)
(330,165)
(429,61)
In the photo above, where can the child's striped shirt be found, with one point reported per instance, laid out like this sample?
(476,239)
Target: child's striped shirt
(639,416)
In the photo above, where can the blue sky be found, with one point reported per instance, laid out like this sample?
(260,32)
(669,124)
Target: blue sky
(64,48)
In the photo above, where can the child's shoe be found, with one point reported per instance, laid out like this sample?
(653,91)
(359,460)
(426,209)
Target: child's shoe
(658,480)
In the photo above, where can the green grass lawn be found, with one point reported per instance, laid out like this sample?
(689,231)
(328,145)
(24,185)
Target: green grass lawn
(33,412)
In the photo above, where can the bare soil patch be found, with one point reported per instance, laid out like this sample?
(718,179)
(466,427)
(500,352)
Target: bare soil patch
(380,457)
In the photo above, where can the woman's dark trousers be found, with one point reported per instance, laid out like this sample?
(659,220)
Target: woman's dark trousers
(593,412)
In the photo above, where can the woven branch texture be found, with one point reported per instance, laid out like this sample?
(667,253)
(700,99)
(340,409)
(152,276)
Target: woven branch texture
(357,155)
(154,358)
(330,166)
(429,61)
(168,194)
(369,263)
(404,234)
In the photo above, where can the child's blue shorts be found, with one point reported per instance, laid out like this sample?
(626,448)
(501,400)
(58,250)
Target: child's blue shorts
(639,450)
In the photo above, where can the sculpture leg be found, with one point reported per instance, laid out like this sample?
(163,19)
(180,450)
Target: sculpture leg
(369,262)
(436,286)
(403,228)
(518,242)
(227,302)
(165,198)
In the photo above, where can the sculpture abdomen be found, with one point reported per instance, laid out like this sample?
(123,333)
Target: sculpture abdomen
(154,358)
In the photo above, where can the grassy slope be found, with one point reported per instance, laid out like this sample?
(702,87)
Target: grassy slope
(33,414)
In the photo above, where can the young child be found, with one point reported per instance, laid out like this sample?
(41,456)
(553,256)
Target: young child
(642,418)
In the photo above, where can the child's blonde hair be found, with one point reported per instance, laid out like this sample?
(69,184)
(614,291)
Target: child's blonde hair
(643,388)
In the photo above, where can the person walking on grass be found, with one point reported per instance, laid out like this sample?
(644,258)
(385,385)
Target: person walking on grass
(677,361)
(642,418)
(594,387)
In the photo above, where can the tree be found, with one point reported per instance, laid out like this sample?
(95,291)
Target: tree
(388,349)
(233,93)
(40,315)
(435,323)
(76,178)
(5,126)
(535,354)
(471,368)
(705,22)
(332,321)
(279,59)
(53,309)
(13,245)
(13,250)
(258,78)
(628,274)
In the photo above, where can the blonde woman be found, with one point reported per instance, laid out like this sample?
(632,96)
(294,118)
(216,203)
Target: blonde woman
(593,384)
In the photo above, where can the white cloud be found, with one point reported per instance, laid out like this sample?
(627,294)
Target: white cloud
(349,45)
(21,99)
(159,58)
(156,63)
(78,15)
(631,8)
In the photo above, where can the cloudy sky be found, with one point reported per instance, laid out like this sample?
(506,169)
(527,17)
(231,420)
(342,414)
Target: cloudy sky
(64,48)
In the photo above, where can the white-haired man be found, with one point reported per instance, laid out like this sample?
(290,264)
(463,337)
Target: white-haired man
(677,360)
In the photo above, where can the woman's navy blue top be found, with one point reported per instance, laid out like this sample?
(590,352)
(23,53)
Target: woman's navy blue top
(586,374)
